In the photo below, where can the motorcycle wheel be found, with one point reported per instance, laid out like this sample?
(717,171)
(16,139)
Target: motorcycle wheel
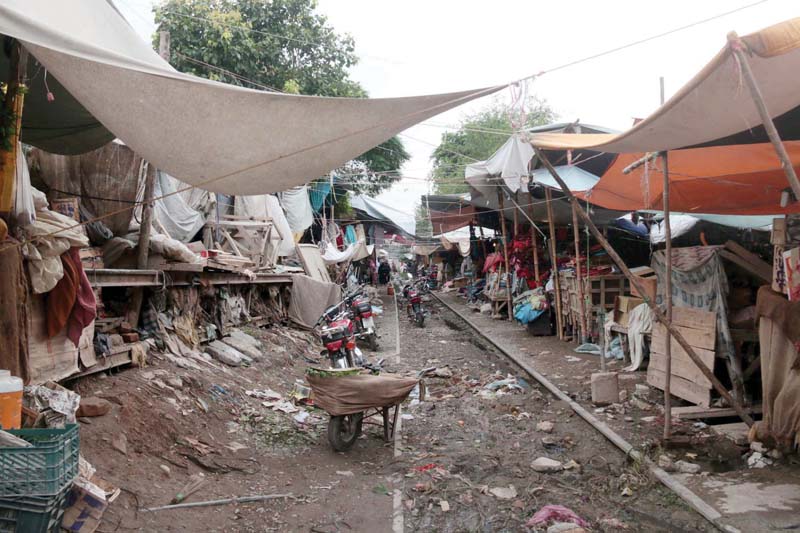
(343,431)
(419,319)
(372,342)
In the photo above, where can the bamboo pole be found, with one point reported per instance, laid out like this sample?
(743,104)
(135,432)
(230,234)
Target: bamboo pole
(535,246)
(635,283)
(554,262)
(500,201)
(12,110)
(667,290)
(579,280)
(738,48)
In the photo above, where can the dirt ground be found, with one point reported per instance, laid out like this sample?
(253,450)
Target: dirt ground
(464,461)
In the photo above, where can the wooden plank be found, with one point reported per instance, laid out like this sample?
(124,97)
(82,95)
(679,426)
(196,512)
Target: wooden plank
(689,317)
(681,367)
(737,432)
(658,344)
(746,266)
(760,267)
(697,338)
(694,412)
(682,388)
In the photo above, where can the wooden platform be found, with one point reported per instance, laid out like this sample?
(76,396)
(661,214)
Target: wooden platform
(737,432)
(695,412)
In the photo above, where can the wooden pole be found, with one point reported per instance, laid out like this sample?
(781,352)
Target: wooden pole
(738,48)
(579,278)
(667,291)
(500,201)
(534,245)
(516,224)
(137,294)
(554,262)
(634,281)
(12,110)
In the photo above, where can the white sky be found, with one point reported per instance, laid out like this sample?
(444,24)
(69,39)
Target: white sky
(429,46)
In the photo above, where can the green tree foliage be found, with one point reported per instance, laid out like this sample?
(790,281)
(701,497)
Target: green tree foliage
(477,138)
(278,45)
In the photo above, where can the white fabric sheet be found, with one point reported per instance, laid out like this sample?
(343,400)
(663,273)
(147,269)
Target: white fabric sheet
(266,206)
(297,208)
(209,134)
(181,221)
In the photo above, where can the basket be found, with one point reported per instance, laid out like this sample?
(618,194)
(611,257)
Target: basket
(44,469)
(33,514)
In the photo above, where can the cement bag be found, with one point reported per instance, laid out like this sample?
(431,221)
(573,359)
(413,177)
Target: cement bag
(346,395)
(172,249)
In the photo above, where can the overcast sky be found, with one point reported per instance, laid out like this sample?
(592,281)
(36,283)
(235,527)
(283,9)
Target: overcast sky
(429,46)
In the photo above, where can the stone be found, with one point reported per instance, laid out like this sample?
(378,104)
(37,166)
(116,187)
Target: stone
(248,345)
(665,463)
(775,454)
(641,389)
(605,388)
(175,382)
(543,464)
(758,447)
(225,354)
(685,467)
(120,443)
(623,395)
(639,404)
(93,406)
(565,527)
(165,469)
(757,460)
(545,426)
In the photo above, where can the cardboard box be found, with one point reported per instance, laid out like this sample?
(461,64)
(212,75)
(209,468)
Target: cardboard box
(623,305)
(67,207)
(647,277)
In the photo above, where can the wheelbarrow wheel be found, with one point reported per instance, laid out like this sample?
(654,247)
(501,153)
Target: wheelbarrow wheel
(344,430)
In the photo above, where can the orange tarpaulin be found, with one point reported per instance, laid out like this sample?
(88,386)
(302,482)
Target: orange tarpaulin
(735,179)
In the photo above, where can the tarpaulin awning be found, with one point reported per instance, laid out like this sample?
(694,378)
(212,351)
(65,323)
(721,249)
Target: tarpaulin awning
(509,162)
(379,211)
(735,180)
(353,252)
(715,106)
(108,82)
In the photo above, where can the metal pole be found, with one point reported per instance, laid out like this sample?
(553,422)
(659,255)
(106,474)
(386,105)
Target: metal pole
(738,49)
(635,283)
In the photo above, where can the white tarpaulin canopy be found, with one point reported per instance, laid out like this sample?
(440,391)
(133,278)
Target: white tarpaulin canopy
(509,162)
(379,211)
(353,252)
(208,134)
(715,104)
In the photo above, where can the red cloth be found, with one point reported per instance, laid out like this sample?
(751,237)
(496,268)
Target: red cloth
(61,299)
(85,309)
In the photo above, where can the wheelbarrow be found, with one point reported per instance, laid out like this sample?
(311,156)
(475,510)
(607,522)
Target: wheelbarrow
(351,398)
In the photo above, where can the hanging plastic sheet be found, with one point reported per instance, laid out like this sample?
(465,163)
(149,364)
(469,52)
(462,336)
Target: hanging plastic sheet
(318,193)
(262,207)
(23,212)
(173,213)
(297,208)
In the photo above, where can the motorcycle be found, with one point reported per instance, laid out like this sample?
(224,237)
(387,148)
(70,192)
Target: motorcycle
(413,295)
(361,310)
(337,333)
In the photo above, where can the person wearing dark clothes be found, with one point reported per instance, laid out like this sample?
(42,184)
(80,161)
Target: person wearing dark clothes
(383,272)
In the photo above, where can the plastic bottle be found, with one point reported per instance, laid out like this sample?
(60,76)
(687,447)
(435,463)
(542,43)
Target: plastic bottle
(10,400)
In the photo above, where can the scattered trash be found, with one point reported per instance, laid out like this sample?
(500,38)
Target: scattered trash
(504,493)
(56,404)
(545,465)
(444,505)
(545,426)
(164,468)
(301,417)
(757,460)
(665,463)
(614,524)
(573,359)
(588,348)
(265,394)
(565,527)
(406,416)
(685,467)
(626,492)
(509,384)
(345,473)
(441,372)
(555,513)
(572,464)
(758,447)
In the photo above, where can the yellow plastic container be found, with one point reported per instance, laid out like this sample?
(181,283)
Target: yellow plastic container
(10,400)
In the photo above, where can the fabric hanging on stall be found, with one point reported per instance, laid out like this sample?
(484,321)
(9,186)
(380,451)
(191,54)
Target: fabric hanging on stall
(698,281)
(318,194)
(779,336)
(310,298)
(105,78)
(350,235)
(85,308)
(14,309)
(353,252)
(173,213)
(23,211)
(640,323)
(297,208)
(60,301)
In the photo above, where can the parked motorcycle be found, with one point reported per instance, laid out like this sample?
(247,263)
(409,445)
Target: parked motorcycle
(413,295)
(337,332)
(361,310)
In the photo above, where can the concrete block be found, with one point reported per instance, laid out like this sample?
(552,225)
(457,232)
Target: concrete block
(605,388)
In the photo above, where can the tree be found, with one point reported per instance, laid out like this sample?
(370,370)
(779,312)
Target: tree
(476,139)
(424,226)
(275,45)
